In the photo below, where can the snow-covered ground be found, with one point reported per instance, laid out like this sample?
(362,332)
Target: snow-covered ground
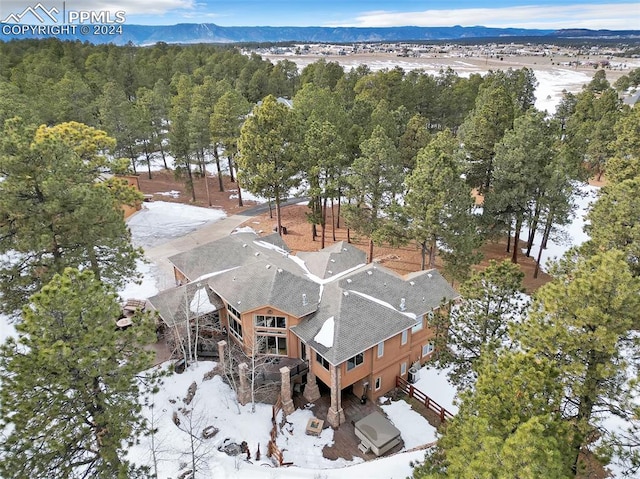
(214,405)
(567,236)
(159,221)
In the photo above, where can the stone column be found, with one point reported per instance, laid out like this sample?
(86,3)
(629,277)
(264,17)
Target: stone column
(285,391)
(222,349)
(335,415)
(311,391)
(244,395)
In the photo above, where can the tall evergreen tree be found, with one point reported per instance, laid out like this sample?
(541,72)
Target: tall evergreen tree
(376,179)
(70,383)
(438,203)
(268,143)
(478,326)
(508,427)
(228,115)
(520,175)
(482,130)
(180,134)
(613,222)
(580,321)
(53,212)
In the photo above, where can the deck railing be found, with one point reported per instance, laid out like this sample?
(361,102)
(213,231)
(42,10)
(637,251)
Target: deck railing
(414,392)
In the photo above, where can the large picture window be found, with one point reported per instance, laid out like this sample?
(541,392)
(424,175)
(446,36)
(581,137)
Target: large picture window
(279,322)
(272,345)
(357,360)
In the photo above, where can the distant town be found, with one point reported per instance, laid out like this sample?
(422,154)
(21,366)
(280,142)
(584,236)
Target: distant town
(594,56)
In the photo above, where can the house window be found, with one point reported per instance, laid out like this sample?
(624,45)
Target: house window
(322,361)
(272,345)
(357,360)
(279,322)
(233,311)
(427,349)
(235,327)
(380,349)
(378,383)
(417,327)
(403,369)
(405,336)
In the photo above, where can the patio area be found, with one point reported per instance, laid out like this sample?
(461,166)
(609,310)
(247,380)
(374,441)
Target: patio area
(345,441)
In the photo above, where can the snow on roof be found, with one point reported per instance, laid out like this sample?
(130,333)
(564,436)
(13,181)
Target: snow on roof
(215,273)
(244,229)
(325,335)
(200,303)
(385,304)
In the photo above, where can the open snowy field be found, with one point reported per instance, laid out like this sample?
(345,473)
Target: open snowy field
(553,78)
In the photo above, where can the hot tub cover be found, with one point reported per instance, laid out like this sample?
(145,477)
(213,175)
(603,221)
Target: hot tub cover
(377,429)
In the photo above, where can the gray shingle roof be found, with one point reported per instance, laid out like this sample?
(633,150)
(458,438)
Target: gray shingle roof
(369,304)
(228,252)
(174,304)
(422,291)
(265,284)
(333,260)
(359,324)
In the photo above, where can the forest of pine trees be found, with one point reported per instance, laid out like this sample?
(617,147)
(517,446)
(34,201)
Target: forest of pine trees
(402,155)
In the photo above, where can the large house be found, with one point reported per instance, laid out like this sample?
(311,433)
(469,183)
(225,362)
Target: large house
(357,325)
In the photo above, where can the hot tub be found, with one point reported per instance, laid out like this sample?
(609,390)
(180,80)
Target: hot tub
(377,433)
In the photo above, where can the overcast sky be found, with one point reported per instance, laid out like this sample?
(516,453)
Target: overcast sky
(545,14)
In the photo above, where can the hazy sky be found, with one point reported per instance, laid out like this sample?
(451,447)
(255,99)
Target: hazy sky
(547,14)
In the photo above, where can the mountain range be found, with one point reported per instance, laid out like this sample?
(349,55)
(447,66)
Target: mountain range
(212,33)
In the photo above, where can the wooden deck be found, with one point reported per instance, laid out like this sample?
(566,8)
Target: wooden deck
(345,442)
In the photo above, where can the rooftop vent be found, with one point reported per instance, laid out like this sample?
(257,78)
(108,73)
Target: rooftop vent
(332,260)
(304,300)
(429,275)
(344,249)
(369,272)
(279,270)
(403,305)
(268,266)
(244,245)
(348,280)
(412,283)
(257,253)
(330,272)
(346,293)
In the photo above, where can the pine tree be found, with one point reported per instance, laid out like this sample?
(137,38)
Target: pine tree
(613,222)
(479,325)
(580,321)
(53,212)
(268,143)
(71,381)
(375,178)
(438,203)
(482,130)
(508,427)
(520,175)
